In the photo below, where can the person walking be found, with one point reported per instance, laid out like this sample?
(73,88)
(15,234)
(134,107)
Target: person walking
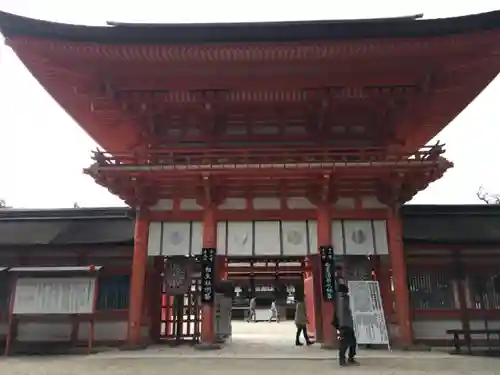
(251,310)
(274,313)
(301,323)
(344,323)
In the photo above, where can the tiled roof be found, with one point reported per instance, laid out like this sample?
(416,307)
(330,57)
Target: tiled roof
(400,27)
(453,224)
(440,224)
(66,227)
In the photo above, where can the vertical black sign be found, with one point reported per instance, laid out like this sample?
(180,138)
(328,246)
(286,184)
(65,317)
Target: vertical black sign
(207,274)
(328,272)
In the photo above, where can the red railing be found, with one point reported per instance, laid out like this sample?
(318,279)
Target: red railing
(217,157)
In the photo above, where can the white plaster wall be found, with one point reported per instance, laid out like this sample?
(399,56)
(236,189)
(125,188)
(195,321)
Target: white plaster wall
(295,238)
(242,237)
(267,238)
(295,203)
(189,205)
(43,331)
(163,205)
(360,237)
(107,331)
(266,203)
(170,238)
(345,202)
(371,202)
(436,328)
(61,331)
(233,204)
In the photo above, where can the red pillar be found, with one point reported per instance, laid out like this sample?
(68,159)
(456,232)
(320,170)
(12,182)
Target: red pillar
(400,279)
(138,280)
(383,276)
(155,301)
(325,239)
(209,240)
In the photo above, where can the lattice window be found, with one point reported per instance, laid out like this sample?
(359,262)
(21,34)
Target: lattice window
(113,292)
(431,291)
(485,291)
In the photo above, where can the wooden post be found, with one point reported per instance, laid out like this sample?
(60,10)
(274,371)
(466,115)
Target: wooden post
(209,240)
(383,276)
(324,221)
(399,275)
(460,280)
(156,299)
(137,282)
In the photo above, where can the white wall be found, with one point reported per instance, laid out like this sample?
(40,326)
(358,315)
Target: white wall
(435,329)
(61,331)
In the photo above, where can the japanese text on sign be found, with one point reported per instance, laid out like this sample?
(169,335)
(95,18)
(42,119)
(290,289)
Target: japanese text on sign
(328,272)
(327,254)
(207,275)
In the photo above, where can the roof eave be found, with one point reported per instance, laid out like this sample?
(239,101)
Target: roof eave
(406,27)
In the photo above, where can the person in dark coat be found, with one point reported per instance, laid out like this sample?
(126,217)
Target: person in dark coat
(344,323)
(301,322)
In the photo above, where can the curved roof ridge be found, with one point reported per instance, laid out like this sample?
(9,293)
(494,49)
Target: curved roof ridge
(268,32)
(412,17)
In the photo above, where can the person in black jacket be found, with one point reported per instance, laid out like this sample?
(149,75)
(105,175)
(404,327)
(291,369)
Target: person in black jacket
(344,323)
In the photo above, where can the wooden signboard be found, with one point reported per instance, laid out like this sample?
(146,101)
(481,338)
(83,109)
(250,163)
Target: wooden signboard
(328,272)
(178,275)
(207,275)
(62,296)
(368,313)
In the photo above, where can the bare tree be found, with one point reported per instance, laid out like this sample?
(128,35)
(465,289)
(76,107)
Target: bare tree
(3,204)
(76,205)
(487,197)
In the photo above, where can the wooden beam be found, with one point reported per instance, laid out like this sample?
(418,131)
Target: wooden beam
(177,83)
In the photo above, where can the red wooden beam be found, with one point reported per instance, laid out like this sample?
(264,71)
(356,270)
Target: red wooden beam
(340,172)
(189,83)
(263,269)
(276,154)
(349,138)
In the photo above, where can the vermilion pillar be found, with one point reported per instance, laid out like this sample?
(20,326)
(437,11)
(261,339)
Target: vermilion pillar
(399,275)
(209,240)
(383,274)
(324,222)
(138,279)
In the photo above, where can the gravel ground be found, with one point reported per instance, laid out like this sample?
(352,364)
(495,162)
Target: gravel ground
(256,348)
(215,366)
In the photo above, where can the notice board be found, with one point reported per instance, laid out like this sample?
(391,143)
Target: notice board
(368,312)
(63,295)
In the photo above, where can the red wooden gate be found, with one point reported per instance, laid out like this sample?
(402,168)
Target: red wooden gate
(180,302)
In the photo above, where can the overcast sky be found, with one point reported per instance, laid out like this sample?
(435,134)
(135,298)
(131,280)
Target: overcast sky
(43,151)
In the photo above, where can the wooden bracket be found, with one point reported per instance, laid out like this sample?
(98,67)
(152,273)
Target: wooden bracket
(209,194)
(323,192)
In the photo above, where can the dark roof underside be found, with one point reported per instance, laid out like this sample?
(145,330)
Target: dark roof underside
(402,27)
(452,224)
(431,224)
(80,226)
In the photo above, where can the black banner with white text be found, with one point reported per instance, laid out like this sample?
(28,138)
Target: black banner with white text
(328,272)
(208,274)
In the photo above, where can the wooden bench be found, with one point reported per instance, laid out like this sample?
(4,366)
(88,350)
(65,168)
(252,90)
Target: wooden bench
(457,333)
